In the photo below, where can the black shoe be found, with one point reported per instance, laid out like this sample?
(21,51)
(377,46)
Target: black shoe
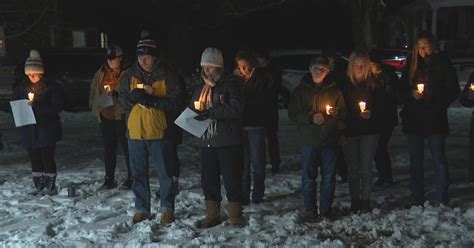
(256,201)
(127,184)
(245,202)
(109,183)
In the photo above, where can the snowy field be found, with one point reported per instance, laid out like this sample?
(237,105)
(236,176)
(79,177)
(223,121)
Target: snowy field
(103,218)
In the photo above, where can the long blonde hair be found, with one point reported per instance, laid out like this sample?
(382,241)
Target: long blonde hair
(414,55)
(368,77)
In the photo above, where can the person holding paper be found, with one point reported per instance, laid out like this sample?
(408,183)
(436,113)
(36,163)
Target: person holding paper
(151,111)
(111,117)
(424,113)
(360,135)
(219,98)
(40,139)
(317,106)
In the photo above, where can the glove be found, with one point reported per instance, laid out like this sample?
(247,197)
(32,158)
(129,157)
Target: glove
(203,115)
(137,95)
(150,101)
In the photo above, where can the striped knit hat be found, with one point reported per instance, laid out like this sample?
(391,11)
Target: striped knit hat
(146,45)
(33,64)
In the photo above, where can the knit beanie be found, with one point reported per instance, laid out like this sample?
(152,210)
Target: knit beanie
(33,64)
(146,45)
(212,56)
(319,60)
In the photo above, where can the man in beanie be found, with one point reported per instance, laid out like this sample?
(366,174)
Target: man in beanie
(40,139)
(317,106)
(150,93)
(219,98)
(111,117)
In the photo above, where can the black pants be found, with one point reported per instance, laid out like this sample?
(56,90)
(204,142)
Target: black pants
(273,148)
(383,163)
(225,161)
(113,132)
(43,159)
(341,166)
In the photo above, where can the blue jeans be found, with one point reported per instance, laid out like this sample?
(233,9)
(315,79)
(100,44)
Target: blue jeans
(160,151)
(310,156)
(254,160)
(416,149)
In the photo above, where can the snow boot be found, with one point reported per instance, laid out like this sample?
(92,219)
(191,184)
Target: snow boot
(235,214)
(213,217)
(38,183)
(109,183)
(139,217)
(50,185)
(167,218)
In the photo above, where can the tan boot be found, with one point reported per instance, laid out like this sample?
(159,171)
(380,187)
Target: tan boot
(167,218)
(213,217)
(235,214)
(139,217)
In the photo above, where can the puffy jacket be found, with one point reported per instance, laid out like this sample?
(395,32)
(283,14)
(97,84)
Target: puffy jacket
(429,114)
(226,110)
(47,104)
(308,99)
(95,90)
(149,123)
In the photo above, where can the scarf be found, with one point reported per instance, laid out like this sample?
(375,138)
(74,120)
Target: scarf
(205,102)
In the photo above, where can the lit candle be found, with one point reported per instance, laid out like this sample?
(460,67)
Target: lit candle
(140,86)
(421,88)
(472,86)
(362,106)
(107,88)
(197,105)
(31,96)
(328,110)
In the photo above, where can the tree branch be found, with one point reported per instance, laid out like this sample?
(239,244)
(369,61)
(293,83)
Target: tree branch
(34,24)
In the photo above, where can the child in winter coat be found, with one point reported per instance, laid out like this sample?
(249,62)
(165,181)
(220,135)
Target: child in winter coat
(40,139)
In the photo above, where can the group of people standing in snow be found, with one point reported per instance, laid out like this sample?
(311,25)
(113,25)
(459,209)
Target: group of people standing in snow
(344,116)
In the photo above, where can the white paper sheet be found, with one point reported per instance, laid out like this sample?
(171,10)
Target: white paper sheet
(105,101)
(22,113)
(187,122)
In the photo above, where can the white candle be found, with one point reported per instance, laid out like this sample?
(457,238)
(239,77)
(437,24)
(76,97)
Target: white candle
(421,88)
(328,110)
(362,106)
(107,88)
(197,105)
(31,96)
(472,86)
(140,86)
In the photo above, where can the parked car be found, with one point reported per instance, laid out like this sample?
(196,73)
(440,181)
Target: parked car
(394,57)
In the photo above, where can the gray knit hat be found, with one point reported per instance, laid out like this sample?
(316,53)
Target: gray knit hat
(212,56)
(33,64)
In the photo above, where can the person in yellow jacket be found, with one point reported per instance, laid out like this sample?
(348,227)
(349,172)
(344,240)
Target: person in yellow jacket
(150,92)
(103,103)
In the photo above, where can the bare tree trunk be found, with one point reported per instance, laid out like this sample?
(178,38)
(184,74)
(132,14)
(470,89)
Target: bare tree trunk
(366,14)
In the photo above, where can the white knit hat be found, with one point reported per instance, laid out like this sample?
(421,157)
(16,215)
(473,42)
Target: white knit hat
(33,64)
(212,56)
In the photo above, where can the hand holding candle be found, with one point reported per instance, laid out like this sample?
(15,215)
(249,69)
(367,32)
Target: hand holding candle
(472,86)
(421,88)
(362,106)
(107,88)
(140,86)
(328,110)
(31,96)
(197,105)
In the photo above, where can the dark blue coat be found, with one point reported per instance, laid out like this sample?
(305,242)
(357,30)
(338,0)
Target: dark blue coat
(48,103)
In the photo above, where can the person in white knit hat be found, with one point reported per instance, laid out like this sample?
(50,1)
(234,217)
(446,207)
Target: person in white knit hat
(219,98)
(40,139)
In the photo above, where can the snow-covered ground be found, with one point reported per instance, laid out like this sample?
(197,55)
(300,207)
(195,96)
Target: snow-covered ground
(103,218)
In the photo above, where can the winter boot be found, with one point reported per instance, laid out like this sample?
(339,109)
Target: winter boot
(213,215)
(50,185)
(139,217)
(355,206)
(235,214)
(167,218)
(38,183)
(127,184)
(365,206)
(109,183)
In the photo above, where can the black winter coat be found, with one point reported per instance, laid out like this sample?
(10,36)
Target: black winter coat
(355,125)
(48,103)
(257,98)
(429,115)
(464,99)
(226,110)
(390,87)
